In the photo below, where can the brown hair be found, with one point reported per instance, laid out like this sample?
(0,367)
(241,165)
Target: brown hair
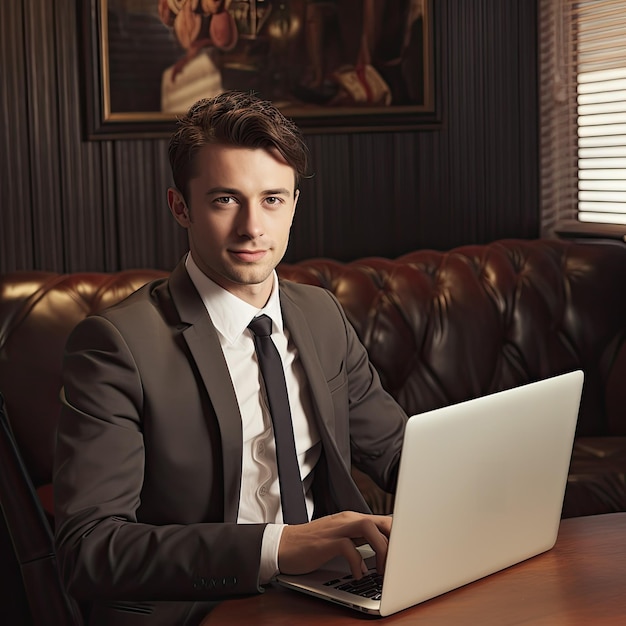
(238,119)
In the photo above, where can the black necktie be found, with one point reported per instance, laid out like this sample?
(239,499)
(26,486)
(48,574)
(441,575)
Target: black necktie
(291,492)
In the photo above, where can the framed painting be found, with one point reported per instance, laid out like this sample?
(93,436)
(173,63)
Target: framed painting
(331,65)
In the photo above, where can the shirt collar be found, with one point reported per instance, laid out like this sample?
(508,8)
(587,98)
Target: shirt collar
(231,315)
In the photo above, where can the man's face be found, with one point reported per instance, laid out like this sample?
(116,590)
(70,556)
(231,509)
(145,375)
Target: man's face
(240,209)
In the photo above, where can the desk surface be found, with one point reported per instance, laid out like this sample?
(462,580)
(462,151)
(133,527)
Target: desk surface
(581,581)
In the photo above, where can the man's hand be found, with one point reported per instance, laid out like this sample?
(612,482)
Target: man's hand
(305,547)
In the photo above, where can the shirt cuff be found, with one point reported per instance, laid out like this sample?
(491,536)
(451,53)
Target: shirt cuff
(269,552)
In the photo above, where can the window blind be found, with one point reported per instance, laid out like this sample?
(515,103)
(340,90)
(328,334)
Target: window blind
(583,115)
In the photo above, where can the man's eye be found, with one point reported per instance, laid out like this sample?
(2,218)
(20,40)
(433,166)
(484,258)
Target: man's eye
(223,200)
(272,200)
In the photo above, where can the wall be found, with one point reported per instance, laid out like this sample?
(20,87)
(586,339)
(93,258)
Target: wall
(70,204)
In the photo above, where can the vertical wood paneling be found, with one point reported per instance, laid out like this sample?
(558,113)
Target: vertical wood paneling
(72,204)
(148,235)
(501,90)
(16,244)
(81,183)
(528,129)
(135,203)
(43,135)
(106,207)
(465,104)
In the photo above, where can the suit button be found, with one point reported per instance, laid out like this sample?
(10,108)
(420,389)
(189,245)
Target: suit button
(200,583)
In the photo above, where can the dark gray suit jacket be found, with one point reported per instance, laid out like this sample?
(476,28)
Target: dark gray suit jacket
(148,458)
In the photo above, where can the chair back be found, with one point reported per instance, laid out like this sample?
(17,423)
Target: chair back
(32,537)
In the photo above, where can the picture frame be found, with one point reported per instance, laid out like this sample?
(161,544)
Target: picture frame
(330,65)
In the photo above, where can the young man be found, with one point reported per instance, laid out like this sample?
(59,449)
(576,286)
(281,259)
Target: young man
(166,482)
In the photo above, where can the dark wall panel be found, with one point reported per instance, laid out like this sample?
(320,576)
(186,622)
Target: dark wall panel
(43,131)
(16,228)
(71,204)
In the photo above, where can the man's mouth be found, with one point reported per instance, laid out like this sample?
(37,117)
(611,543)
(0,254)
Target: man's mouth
(249,256)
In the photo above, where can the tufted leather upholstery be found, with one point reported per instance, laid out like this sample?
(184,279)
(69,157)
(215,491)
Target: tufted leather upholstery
(445,327)
(439,327)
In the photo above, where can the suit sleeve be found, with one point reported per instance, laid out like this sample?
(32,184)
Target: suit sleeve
(103,550)
(377,422)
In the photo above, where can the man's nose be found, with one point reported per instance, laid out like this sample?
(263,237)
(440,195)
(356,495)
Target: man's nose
(250,221)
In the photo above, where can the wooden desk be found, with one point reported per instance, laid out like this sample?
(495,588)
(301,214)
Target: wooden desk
(581,581)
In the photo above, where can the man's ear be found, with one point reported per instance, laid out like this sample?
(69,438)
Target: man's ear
(178,207)
(296,196)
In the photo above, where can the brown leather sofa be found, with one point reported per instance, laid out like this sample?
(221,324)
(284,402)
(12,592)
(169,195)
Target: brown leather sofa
(439,327)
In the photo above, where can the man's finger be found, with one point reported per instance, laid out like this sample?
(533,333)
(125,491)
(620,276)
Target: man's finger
(354,558)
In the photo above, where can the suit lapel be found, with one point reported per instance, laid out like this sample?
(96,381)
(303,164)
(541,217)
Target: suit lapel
(345,494)
(206,351)
(300,332)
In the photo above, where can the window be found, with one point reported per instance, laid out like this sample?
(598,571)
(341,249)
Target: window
(583,116)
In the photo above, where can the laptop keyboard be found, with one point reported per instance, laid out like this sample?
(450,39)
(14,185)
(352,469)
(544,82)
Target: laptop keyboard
(370,586)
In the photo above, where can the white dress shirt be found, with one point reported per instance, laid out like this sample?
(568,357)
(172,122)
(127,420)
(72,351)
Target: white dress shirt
(259,499)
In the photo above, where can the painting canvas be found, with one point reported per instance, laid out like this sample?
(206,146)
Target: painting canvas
(328,64)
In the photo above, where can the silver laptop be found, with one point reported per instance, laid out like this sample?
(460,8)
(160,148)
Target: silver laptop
(480,488)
